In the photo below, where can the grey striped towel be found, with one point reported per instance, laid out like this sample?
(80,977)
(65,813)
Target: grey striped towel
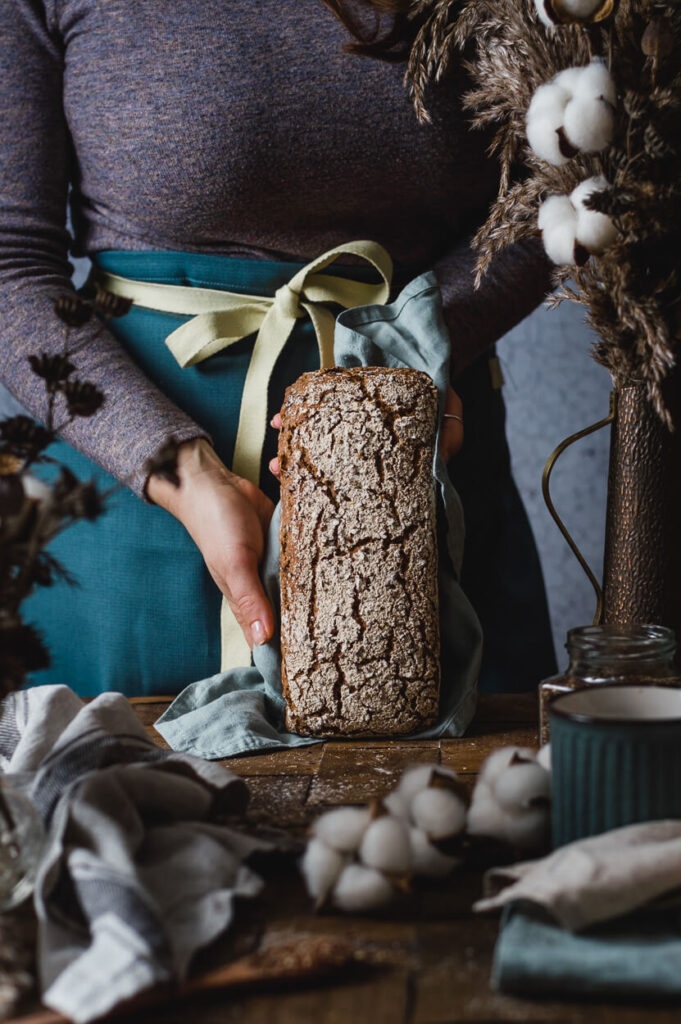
(137,871)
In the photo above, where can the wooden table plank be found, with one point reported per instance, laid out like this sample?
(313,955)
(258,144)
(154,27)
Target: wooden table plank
(465,756)
(350,774)
(298,761)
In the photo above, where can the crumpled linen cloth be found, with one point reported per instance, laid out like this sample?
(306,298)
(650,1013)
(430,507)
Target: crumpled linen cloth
(595,879)
(243,710)
(135,874)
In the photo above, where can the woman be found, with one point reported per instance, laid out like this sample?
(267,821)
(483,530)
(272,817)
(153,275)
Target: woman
(224,145)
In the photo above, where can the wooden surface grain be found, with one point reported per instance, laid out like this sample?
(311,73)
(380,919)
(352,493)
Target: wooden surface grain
(425,960)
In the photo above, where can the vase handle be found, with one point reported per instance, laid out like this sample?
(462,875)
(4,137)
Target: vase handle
(545,481)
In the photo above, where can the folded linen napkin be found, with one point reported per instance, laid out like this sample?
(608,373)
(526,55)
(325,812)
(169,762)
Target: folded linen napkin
(631,957)
(135,875)
(594,879)
(243,710)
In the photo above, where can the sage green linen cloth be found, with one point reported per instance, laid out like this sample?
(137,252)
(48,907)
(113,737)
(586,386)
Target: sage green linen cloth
(637,956)
(597,917)
(243,710)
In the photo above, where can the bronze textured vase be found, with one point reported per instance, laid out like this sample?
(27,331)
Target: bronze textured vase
(642,564)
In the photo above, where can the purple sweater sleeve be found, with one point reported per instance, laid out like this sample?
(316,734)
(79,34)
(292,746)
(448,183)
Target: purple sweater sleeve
(516,282)
(136,418)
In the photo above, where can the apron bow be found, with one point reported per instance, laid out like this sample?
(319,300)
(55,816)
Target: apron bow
(219,319)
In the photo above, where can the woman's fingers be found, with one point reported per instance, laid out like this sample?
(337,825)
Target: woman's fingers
(275,468)
(451,433)
(276,421)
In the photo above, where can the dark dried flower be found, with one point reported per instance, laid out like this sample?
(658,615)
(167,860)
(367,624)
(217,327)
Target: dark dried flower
(164,464)
(86,502)
(52,368)
(64,485)
(47,570)
(21,434)
(658,39)
(11,494)
(72,310)
(110,304)
(21,650)
(83,398)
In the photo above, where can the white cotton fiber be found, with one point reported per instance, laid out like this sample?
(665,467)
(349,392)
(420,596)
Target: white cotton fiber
(595,231)
(321,867)
(426,859)
(559,242)
(361,888)
(385,846)
(554,211)
(438,813)
(520,785)
(343,827)
(589,124)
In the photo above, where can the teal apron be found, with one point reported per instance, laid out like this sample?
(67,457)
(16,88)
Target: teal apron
(144,618)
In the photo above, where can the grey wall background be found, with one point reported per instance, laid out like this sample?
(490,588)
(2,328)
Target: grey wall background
(553,388)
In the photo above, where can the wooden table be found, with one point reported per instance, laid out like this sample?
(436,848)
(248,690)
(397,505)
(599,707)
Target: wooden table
(424,962)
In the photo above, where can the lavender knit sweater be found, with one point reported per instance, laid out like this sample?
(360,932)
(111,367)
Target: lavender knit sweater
(221,126)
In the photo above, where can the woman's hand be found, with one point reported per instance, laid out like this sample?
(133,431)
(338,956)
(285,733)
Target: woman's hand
(226,517)
(451,434)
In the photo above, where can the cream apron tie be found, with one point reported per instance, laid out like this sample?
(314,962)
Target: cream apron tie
(220,319)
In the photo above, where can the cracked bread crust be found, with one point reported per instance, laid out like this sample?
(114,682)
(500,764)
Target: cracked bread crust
(359,601)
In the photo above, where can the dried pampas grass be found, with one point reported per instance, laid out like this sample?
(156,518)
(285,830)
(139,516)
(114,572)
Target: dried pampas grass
(632,291)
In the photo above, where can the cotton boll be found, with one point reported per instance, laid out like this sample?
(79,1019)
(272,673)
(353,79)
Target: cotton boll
(520,785)
(361,888)
(321,867)
(595,231)
(484,816)
(569,80)
(526,830)
(544,119)
(426,859)
(559,243)
(396,804)
(419,777)
(550,99)
(589,124)
(343,828)
(439,813)
(544,757)
(554,211)
(594,81)
(499,760)
(385,846)
(544,140)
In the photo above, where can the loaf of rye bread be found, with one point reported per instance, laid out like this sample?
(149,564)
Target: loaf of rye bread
(359,599)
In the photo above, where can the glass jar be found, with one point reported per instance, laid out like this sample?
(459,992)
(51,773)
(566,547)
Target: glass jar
(627,654)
